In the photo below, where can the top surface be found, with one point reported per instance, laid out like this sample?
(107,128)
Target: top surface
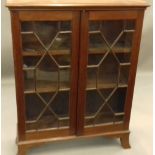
(69,3)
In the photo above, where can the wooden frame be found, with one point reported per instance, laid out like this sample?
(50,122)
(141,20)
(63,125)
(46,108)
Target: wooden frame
(22,16)
(107,15)
(80,17)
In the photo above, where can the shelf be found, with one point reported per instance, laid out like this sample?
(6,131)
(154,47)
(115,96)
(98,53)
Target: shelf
(48,122)
(102,50)
(105,86)
(39,53)
(107,81)
(105,107)
(44,87)
(50,110)
(91,86)
(103,119)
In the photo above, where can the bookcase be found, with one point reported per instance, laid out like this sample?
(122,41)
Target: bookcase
(75,66)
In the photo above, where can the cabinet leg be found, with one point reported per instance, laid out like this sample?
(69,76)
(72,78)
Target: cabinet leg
(21,150)
(125,141)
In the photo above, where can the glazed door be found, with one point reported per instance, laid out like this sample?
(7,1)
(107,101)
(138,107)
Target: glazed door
(49,51)
(106,49)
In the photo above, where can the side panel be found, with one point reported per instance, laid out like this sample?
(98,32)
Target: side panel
(16,37)
(134,62)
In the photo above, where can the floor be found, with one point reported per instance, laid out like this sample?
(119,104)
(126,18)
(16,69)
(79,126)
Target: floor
(141,127)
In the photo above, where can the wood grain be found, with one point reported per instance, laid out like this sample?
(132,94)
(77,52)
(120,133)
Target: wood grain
(104,129)
(25,145)
(133,69)
(112,15)
(19,79)
(45,15)
(82,72)
(52,3)
(74,73)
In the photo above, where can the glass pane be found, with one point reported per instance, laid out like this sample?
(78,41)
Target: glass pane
(63,60)
(30,42)
(64,79)
(123,57)
(42,36)
(30,61)
(33,102)
(110,45)
(104,106)
(61,42)
(104,75)
(29,80)
(94,101)
(46,75)
(57,113)
(91,78)
(108,72)
(124,74)
(46,68)
(94,59)
(97,43)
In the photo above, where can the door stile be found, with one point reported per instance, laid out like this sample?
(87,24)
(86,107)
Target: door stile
(133,68)
(16,38)
(82,71)
(74,74)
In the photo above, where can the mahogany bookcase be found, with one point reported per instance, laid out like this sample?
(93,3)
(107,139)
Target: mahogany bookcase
(75,65)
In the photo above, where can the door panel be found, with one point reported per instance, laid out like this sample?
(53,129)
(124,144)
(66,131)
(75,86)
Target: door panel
(107,76)
(50,85)
(108,48)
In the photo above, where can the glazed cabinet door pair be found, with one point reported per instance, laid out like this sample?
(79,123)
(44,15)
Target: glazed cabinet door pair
(73,71)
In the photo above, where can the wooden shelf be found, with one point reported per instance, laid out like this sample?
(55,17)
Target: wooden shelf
(100,50)
(89,122)
(47,122)
(105,86)
(45,87)
(39,53)
(48,86)
(106,83)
